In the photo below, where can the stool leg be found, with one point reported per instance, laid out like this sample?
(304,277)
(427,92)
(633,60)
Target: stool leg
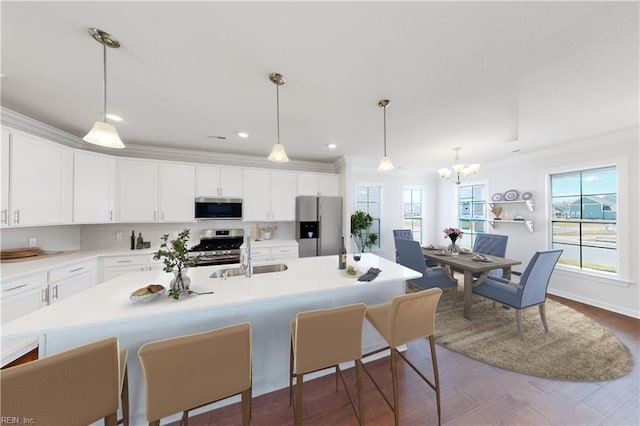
(124,398)
(359,387)
(394,375)
(436,375)
(246,407)
(291,373)
(297,409)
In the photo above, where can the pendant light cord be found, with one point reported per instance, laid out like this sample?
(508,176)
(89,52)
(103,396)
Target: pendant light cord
(104,74)
(278,110)
(385,129)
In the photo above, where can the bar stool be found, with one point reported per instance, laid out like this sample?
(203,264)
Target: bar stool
(188,372)
(323,339)
(406,318)
(75,387)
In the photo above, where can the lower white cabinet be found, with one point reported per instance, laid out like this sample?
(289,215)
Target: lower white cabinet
(72,279)
(274,253)
(113,266)
(23,295)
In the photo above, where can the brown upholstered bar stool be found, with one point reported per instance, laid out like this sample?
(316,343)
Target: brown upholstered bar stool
(188,372)
(322,339)
(75,387)
(406,318)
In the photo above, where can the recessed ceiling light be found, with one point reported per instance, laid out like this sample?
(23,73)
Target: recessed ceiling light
(114,117)
(242,134)
(332,146)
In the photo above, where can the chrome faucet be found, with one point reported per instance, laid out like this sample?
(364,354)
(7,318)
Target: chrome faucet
(247,267)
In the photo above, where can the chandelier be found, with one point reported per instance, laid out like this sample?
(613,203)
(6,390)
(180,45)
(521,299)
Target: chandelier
(460,171)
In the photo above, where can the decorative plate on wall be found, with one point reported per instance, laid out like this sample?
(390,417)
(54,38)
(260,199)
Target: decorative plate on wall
(496,197)
(526,196)
(511,195)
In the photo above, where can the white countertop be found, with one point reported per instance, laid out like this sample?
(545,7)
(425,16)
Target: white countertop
(109,302)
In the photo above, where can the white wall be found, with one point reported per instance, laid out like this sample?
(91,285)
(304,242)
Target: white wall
(528,172)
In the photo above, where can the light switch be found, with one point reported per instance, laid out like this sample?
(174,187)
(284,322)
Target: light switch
(33,241)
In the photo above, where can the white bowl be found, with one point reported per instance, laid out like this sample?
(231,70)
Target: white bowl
(148,296)
(266,235)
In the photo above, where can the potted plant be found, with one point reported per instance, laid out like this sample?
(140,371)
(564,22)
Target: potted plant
(175,256)
(360,223)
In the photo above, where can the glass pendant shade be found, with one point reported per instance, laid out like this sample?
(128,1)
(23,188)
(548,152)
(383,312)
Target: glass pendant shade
(278,154)
(103,134)
(460,171)
(385,164)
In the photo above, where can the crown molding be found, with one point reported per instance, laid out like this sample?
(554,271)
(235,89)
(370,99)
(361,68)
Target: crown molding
(27,124)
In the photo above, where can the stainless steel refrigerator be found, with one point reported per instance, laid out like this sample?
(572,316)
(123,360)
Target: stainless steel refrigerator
(318,225)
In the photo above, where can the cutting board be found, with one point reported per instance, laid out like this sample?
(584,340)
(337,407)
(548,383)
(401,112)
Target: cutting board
(27,253)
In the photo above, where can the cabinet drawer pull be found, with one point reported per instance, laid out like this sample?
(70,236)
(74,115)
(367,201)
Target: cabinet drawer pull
(45,295)
(155,215)
(77,269)
(15,288)
(55,291)
(123,261)
(4,216)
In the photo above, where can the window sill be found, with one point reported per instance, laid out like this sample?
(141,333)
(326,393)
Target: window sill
(593,277)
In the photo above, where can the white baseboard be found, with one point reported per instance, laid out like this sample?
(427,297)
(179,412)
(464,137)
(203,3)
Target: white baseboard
(596,303)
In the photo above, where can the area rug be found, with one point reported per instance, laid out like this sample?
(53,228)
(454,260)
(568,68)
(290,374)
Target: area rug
(575,348)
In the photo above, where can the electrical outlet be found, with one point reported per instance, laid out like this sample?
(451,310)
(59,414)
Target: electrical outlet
(119,236)
(174,234)
(33,241)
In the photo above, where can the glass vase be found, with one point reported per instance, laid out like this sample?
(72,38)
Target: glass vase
(180,283)
(453,249)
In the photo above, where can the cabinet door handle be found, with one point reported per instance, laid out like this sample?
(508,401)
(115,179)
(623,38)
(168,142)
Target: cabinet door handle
(110,214)
(45,295)
(4,216)
(55,291)
(14,288)
(155,215)
(16,217)
(123,261)
(162,214)
(77,269)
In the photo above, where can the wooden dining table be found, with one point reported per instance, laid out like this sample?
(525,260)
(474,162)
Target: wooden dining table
(465,262)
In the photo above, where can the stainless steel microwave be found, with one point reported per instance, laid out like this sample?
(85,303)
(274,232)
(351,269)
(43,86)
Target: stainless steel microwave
(218,208)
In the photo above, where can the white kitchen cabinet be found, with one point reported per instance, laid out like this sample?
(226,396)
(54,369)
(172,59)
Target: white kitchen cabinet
(23,295)
(213,181)
(319,184)
(269,196)
(38,190)
(71,279)
(93,188)
(113,266)
(272,253)
(149,191)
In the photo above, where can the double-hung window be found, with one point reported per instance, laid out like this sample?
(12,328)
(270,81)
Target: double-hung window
(369,200)
(472,207)
(584,218)
(412,211)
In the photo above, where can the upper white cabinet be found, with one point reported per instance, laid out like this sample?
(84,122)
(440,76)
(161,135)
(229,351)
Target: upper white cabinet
(269,196)
(213,181)
(318,184)
(37,181)
(149,191)
(93,188)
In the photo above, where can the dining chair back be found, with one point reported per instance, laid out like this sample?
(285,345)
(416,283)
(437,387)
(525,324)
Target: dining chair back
(322,339)
(410,255)
(406,318)
(186,372)
(75,387)
(530,291)
(407,234)
(491,244)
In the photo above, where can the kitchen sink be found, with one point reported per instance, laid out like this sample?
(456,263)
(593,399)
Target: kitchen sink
(262,269)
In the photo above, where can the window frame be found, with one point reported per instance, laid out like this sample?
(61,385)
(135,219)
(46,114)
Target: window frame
(470,236)
(377,221)
(622,221)
(422,209)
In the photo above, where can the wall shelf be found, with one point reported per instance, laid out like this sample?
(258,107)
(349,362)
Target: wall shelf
(529,223)
(529,203)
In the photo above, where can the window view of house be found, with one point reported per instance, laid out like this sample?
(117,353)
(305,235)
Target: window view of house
(368,199)
(412,211)
(472,207)
(584,217)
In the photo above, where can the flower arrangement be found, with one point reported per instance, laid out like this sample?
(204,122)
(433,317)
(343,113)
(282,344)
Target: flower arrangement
(453,234)
(175,256)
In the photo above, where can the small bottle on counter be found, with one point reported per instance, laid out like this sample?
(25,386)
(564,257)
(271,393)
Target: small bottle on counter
(342,255)
(139,242)
(133,240)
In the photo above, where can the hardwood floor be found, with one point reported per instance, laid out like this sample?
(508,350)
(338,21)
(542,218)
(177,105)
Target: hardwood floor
(473,393)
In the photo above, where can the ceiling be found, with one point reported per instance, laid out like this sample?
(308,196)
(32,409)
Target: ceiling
(490,77)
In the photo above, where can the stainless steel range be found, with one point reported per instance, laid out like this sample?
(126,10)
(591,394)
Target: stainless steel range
(218,247)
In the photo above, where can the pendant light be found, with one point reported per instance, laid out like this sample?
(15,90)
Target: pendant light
(385,162)
(278,154)
(103,133)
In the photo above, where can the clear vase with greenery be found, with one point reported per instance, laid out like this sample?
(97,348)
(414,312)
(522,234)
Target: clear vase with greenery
(175,256)
(360,224)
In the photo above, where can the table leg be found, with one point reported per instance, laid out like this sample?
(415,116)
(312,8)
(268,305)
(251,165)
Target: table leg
(468,287)
(506,272)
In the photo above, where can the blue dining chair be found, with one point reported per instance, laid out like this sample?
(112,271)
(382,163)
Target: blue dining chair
(410,255)
(407,234)
(531,291)
(492,245)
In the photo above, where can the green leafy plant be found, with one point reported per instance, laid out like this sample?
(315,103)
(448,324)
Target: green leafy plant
(360,223)
(174,253)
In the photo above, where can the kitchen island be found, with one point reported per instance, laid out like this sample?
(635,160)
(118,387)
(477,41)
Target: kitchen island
(268,301)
